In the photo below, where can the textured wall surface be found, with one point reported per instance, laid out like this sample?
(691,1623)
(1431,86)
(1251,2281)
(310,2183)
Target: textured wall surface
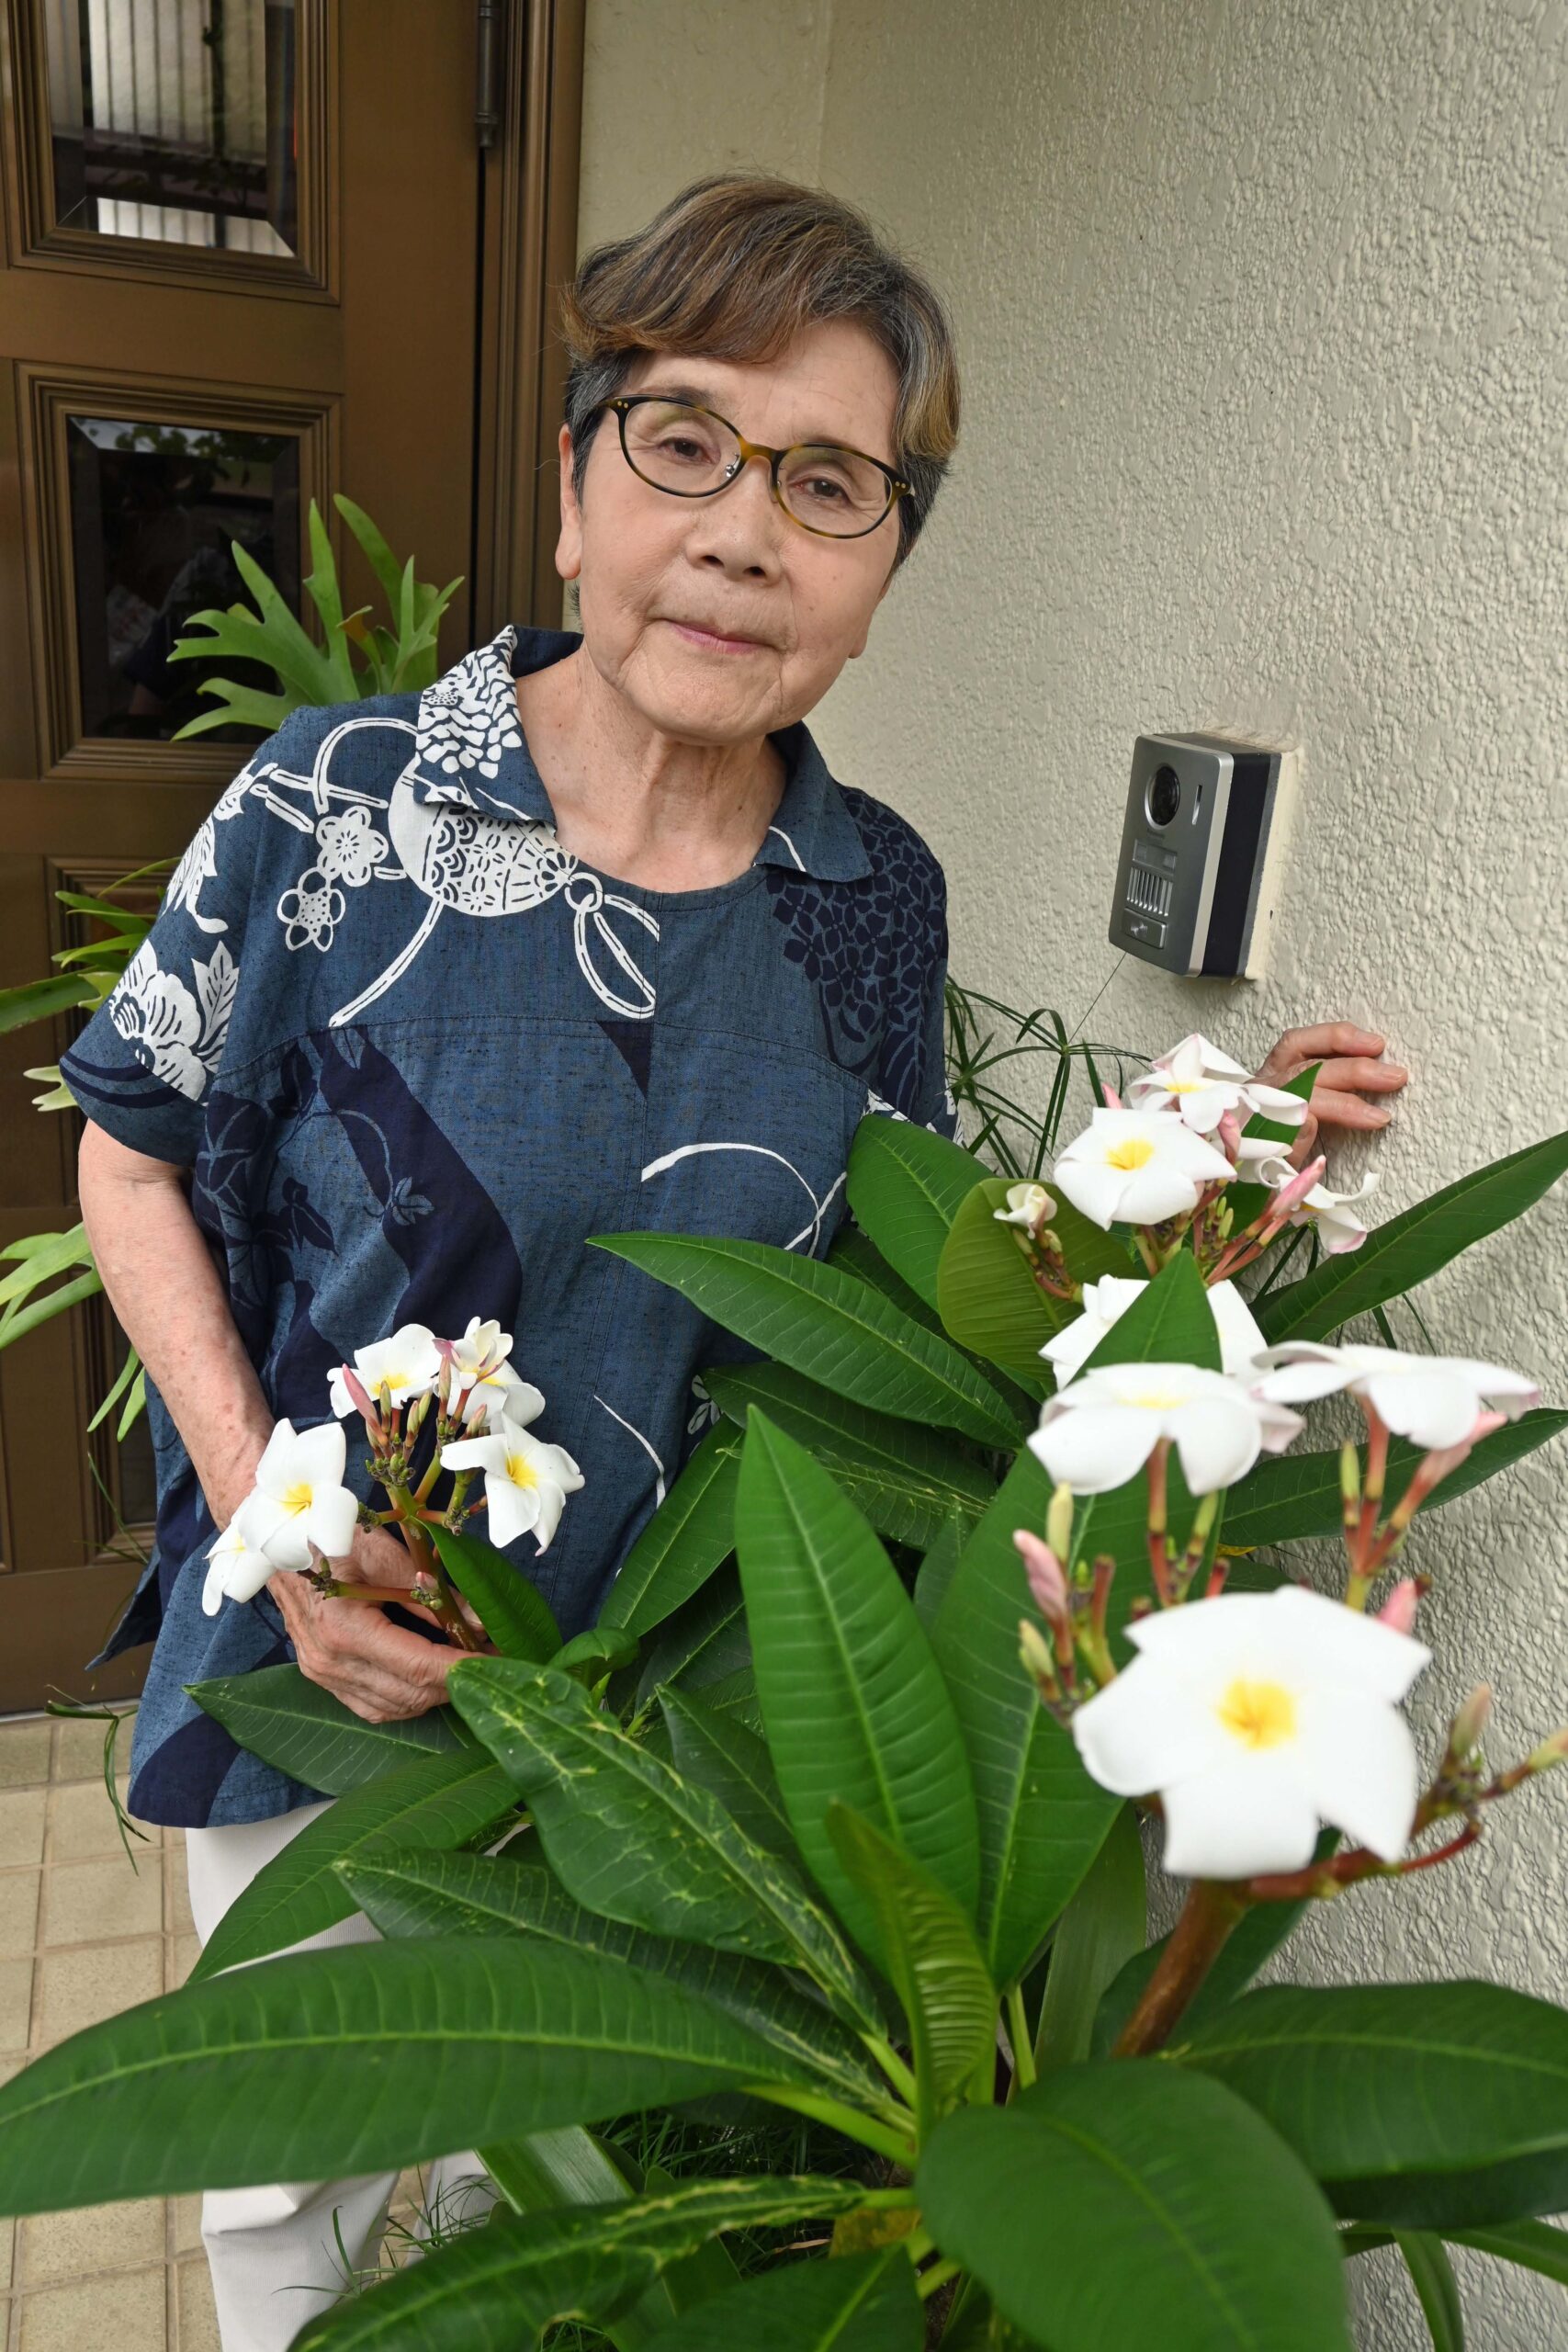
(1263,322)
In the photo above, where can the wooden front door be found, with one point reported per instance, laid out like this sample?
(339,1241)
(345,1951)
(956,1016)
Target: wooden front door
(251,253)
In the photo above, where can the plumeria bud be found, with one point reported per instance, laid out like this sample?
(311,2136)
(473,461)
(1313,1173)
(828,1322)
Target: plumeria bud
(1290,1195)
(1112,1100)
(1038,1662)
(1059,1521)
(1027,1205)
(1229,1133)
(1464,1735)
(1046,1581)
(1399,1609)
(1551,1751)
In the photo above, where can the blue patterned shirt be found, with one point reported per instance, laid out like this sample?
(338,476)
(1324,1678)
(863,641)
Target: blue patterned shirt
(413,1052)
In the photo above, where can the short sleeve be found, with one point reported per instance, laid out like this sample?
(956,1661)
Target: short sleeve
(143,1064)
(934,1106)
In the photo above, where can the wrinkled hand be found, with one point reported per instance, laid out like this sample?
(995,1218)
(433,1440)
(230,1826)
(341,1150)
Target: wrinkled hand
(1352,1065)
(381,1670)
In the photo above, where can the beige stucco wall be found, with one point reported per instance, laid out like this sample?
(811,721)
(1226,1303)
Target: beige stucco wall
(1263,320)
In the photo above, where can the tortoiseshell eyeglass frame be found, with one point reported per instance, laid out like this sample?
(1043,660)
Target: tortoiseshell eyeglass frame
(622,402)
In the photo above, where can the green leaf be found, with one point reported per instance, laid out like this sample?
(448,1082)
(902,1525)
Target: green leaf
(1174,2221)
(939,1567)
(827,1325)
(1427,2107)
(326,595)
(261,2074)
(492,2289)
(933,1963)
(1170,1321)
(908,1480)
(905,1187)
(729,1759)
(42,999)
(703,1644)
(301,1729)
(859,2302)
(1101,1928)
(1437,2289)
(690,1535)
(989,1300)
(438,1801)
(1088,1248)
(630,1838)
(513,1613)
(853,1700)
(424,1894)
(1410,1247)
(589,1657)
(1288,1497)
(1042,1819)
(1534,2245)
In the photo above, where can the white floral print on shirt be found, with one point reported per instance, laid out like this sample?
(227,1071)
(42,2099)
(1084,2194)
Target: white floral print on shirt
(179,1034)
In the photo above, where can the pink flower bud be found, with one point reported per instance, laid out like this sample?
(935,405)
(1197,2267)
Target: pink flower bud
(1399,1609)
(1292,1195)
(1046,1581)
(1230,1136)
(362,1403)
(1112,1100)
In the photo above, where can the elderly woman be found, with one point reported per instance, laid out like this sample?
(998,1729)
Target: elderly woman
(584,937)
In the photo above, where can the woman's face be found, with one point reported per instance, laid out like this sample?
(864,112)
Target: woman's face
(651,567)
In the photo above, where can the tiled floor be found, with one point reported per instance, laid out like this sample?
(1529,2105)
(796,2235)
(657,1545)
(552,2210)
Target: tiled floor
(82,1935)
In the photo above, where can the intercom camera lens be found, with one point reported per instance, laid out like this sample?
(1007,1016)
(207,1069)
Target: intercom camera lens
(1162,797)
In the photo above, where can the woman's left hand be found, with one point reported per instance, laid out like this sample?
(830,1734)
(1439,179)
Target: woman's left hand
(1352,1067)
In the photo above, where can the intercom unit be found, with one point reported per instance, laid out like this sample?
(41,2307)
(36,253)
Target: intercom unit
(1192,886)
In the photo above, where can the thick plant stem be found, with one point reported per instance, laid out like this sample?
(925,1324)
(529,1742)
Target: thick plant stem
(1212,1910)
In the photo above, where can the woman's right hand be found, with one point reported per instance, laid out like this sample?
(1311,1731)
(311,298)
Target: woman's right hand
(380,1670)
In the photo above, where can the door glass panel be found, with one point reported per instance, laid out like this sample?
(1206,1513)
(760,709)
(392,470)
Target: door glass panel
(175,119)
(154,509)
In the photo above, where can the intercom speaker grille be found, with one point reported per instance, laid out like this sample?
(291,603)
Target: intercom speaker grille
(1150,893)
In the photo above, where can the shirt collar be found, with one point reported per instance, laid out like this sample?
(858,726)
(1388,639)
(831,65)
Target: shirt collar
(469,751)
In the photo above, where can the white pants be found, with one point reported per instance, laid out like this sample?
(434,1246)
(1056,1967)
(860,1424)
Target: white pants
(273,2252)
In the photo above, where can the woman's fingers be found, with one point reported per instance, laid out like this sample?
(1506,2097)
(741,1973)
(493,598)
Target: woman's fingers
(1350,1065)
(1315,1043)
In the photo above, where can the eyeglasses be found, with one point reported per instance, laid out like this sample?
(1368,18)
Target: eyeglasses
(691,453)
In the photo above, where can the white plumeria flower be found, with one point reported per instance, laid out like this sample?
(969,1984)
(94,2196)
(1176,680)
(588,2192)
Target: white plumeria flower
(239,1564)
(499,1392)
(302,1472)
(409,1363)
(1136,1168)
(1200,1084)
(1105,1301)
(1100,1432)
(1435,1401)
(527,1481)
(1257,1717)
(482,1347)
(1332,1213)
(1027,1204)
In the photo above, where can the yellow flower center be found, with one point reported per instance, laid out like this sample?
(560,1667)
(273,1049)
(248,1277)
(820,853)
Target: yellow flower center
(1135,1152)
(1157,1400)
(1185,1085)
(521,1471)
(297,1498)
(1260,1714)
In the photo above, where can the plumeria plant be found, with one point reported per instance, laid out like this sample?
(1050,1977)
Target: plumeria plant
(795,1829)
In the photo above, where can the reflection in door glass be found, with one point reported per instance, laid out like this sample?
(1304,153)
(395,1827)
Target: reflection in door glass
(154,509)
(175,119)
